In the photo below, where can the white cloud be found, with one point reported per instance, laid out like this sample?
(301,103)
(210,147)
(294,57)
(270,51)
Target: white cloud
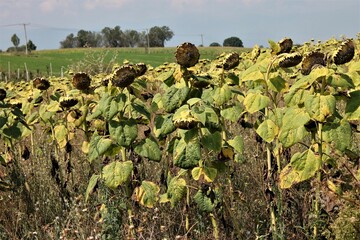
(92,4)
(53,5)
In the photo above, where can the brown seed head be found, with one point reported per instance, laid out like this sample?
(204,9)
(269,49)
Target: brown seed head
(311,59)
(41,83)
(285,45)
(124,76)
(187,55)
(344,53)
(290,60)
(81,81)
(2,94)
(231,61)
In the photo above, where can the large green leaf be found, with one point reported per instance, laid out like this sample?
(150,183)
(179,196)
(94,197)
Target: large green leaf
(174,97)
(209,173)
(61,135)
(187,155)
(340,80)
(3,121)
(163,125)
(306,81)
(98,146)
(277,83)
(293,118)
(292,128)
(338,134)
(139,110)
(232,113)
(352,108)
(254,75)
(13,131)
(117,105)
(205,200)
(237,143)
(102,108)
(302,166)
(267,130)
(91,186)
(222,95)
(176,190)
(147,194)
(255,102)
(320,107)
(149,148)
(295,97)
(289,137)
(123,132)
(116,173)
(211,141)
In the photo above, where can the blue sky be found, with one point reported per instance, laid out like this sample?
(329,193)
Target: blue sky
(253,21)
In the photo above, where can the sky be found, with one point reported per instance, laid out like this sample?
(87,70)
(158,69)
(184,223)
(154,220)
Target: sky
(48,22)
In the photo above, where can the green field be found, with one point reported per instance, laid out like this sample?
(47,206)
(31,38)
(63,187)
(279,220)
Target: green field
(45,62)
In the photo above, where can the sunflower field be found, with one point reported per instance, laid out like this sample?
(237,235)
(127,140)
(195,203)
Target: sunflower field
(262,144)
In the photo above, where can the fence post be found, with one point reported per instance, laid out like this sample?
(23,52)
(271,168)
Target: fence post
(9,70)
(27,73)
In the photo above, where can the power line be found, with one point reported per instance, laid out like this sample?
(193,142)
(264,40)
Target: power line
(20,24)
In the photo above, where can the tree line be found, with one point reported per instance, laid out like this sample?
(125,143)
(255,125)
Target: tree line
(116,37)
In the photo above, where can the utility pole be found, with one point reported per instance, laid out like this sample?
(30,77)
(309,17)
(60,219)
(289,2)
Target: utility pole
(26,40)
(148,40)
(202,39)
(24,25)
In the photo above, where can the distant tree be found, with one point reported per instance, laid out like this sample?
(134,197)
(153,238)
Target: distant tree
(69,42)
(158,36)
(31,46)
(233,42)
(132,38)
(15,40)
(113,37)
(215,44)
(88,39)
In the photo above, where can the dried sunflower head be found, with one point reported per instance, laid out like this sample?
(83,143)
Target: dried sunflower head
(285,45)
(2,94)
(68,102)
(124,76)
(187,55)
(255,53)
(186,123)
(344,53)
(81,81)
(231,61)
(290,60)
(140,69)
(311,59)
(41,83)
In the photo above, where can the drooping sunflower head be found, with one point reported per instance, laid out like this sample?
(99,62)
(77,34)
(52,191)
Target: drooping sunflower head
(124,76)
(290,60)
(231,61)
(68,102)
(140,69)
(344,53)
(255,53)
(285,45)
(41,83)
(2,94)
(187,55)
(81,81)
(186,123)
(310,60)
